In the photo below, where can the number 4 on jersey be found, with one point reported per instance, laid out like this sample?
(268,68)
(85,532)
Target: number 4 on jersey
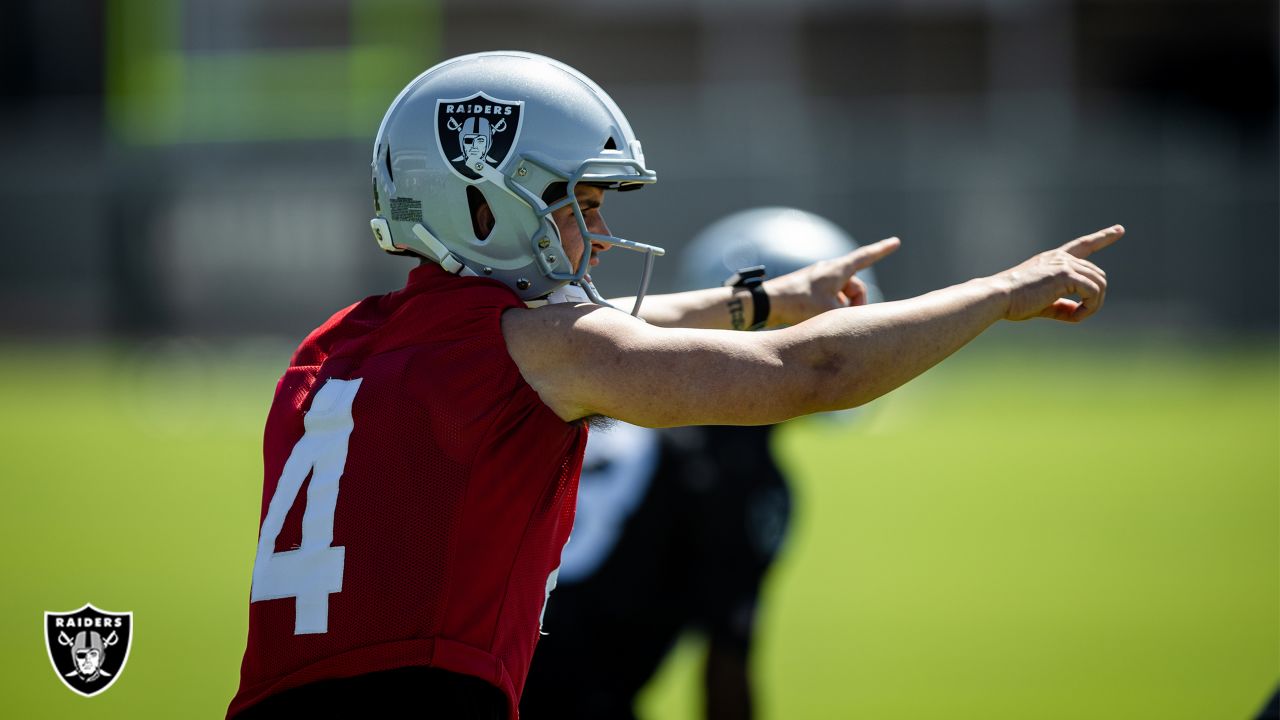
(314,569)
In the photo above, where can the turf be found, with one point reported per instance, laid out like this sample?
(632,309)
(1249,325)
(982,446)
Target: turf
(1026,531)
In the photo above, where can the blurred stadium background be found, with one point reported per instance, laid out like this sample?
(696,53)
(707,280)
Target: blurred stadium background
(1067,522)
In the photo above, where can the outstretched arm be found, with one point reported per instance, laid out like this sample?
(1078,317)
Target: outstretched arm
(793,298)
(585,360)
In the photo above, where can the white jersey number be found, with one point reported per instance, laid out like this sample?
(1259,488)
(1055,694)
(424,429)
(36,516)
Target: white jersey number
(314,569)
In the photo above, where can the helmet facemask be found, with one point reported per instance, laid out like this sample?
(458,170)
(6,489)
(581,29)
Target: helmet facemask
(593,171)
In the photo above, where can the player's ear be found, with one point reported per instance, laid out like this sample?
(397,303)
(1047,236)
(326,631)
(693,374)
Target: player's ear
(481,214)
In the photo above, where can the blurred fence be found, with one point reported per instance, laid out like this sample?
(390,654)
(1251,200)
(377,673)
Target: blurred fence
(201,166)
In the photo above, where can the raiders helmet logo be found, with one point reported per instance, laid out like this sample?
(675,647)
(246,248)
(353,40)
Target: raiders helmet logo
(477,131)
(88,647)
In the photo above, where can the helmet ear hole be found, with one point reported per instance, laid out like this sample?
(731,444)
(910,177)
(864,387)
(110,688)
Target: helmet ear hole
(387,159)
(482,220)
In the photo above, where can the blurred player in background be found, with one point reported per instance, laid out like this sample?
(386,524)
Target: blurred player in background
(676,528)
(438,430)
(1271,711)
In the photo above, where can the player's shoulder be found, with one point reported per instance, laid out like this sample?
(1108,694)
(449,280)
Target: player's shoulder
(430,286)
(566,350)
(543,335)
(316,346)
(427,306)
(573,320)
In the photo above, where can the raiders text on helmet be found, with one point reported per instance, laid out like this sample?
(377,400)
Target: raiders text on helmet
(501,127)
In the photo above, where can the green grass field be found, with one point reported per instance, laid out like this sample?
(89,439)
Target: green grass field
(1028,531)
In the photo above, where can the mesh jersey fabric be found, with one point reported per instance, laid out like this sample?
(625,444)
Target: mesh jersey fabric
(455,501)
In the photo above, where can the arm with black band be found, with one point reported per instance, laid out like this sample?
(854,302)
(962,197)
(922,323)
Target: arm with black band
(706,308)
(752,279)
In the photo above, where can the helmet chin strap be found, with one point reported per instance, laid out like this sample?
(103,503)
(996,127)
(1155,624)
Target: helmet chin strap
(575,292)
(595,296)
(590,288)
(567,293)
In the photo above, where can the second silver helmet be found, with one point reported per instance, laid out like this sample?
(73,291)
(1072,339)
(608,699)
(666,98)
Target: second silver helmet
(780,238)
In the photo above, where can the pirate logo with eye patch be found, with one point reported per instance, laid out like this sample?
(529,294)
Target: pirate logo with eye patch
(476,132)
(88,647)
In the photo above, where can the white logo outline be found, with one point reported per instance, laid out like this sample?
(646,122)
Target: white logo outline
(128,647)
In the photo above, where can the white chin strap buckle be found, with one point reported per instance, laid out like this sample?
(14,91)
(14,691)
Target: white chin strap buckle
(382,233)
(567,293)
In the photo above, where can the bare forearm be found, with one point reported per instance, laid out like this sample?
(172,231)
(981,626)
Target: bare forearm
(850,356)
(710,309)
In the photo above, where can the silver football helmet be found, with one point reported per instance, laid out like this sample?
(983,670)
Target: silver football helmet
(782,239)
(502,127)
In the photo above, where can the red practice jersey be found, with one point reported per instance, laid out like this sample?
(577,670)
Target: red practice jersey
(417,495)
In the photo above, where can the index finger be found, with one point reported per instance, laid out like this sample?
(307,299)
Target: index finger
(1087,245)
(869,255)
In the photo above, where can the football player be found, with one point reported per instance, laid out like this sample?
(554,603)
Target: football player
(422,452)
(1271,711)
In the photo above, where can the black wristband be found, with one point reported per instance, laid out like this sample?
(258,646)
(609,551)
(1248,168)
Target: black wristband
(752,278)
